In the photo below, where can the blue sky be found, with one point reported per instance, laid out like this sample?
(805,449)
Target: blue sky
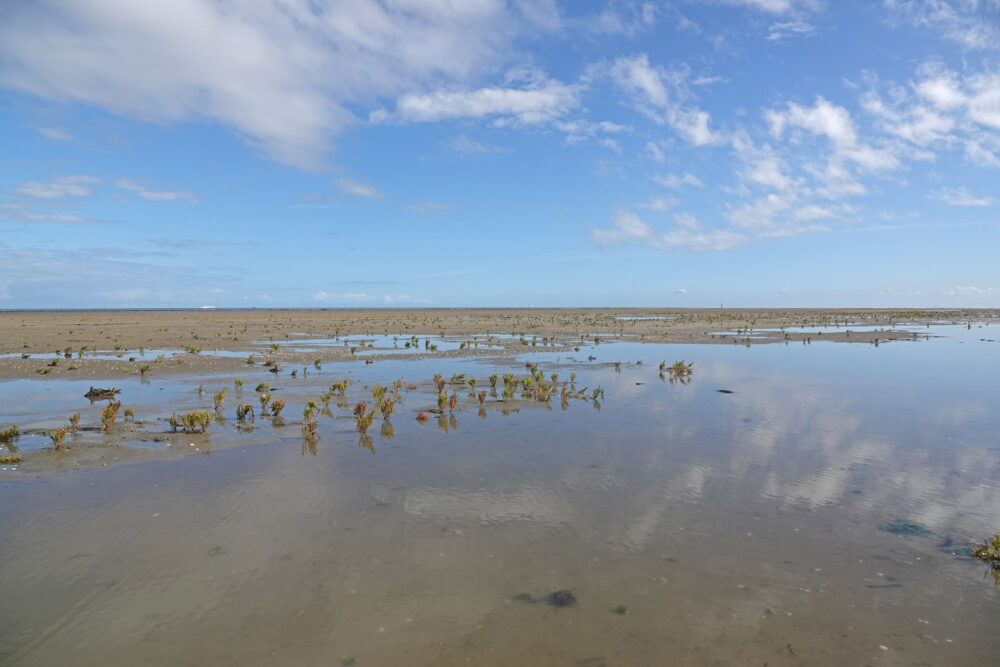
(489,153)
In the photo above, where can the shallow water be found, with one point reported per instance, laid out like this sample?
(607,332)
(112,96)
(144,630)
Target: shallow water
(736,528)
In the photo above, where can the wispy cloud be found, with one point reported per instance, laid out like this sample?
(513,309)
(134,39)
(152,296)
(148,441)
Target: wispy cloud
(542,102)
(779,31)
(974,24)
(426,207)
(56,134)
(678,181)
(155,195)
(60,187)
(465,144)
(358,189)
(687,234)
(962,197)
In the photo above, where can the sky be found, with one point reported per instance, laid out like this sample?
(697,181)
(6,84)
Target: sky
(491,153)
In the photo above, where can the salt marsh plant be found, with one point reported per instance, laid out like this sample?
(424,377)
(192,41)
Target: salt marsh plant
(386,406)
(265,398)
(442,401)
(109,414)
(192,349)
(250,360)
(8,437)
(74,422)
(130,414)
(58,438)
(143,369)
(196,422)
(452,402)
(243,411)
(482,397)
(218,397)
(238,383)
(360,409)
(318,364)
(679,371)
(277,405)
(989,553)
(263,387)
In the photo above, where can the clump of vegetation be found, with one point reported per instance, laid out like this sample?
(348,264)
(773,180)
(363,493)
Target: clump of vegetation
(989,553)
(109,414)
(196,422)
(243,411)
(277,405)
(263,387)
(192,349)
(620,610)
(143,369)
(74,422)
(238,383)
(10,459)
(9,437)
(130,414)
(58,438)
(218,397)
(265,398)
(678,371)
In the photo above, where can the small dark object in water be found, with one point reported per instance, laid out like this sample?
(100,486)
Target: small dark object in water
(906,528)
(725,391)
(273,369)
(96,394)
(562,598)
(883,585)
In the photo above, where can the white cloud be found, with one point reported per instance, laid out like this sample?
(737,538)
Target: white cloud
(283,75)
(678,181)
(975,24)
(660,204)
(464,144)
(659,94)
(545,102)
(58,188)
(339,296)
(24,213)
(358,189)
(56,134)
(822,118)
(655,151)
(624,19)
(155,195)
(942,91)
(962,197)
(774,6)
(630,228)
(580,130)
(426,207)
(970,290)
(779,31)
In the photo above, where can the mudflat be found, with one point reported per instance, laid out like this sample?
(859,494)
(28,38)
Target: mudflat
(91,344)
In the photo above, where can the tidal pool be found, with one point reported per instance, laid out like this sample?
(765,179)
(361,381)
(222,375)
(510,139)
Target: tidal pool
(817,513)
